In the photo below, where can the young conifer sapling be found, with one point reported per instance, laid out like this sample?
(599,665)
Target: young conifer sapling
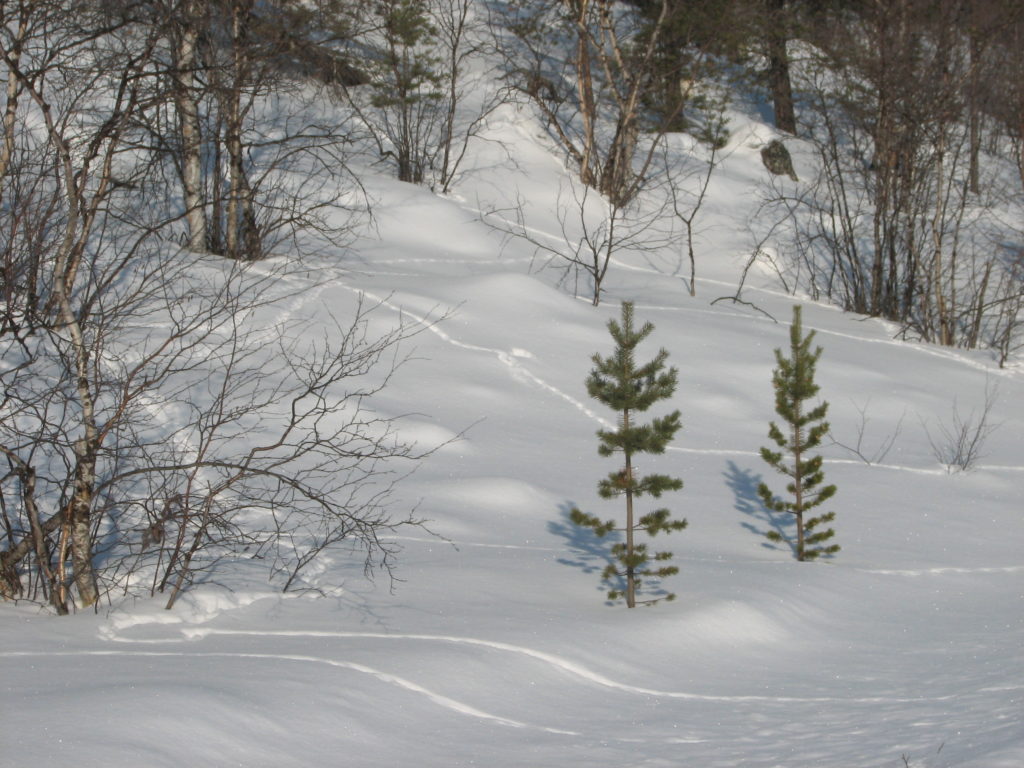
(628,388)
(793,380)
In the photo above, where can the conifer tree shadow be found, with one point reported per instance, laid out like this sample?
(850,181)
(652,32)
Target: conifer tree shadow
(743,483)
(590,552)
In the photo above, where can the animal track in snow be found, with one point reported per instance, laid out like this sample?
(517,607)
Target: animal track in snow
(385,677)
(519,372)
(509,359)
(560,663)
(940,570)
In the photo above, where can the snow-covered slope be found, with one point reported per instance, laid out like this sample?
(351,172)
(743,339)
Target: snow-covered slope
(497,648)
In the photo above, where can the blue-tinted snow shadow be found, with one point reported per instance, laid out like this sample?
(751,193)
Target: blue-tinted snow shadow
(743,483)
(590,552)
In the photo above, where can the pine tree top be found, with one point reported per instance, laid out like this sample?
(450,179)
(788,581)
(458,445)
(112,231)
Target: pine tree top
(618,382)
(794,376)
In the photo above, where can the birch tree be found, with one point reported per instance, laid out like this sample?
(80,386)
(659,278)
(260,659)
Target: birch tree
(593,99)
(145,437)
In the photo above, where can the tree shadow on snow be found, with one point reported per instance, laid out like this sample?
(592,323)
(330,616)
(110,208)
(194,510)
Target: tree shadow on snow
(590,552)
(743,483)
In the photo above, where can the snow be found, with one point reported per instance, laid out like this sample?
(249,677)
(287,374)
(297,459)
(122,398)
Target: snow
(497,647)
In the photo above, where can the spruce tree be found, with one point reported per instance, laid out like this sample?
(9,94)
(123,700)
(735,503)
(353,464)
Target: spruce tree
(793,380)
(628,388)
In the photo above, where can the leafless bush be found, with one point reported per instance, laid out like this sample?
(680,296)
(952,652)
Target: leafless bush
(860,448)
(905,758)
(424,99)
(593,99)
(688,183)
(215,434)
(146,432)
(960,444)
(592,230)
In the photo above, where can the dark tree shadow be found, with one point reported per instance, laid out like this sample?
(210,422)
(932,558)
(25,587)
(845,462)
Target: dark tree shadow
(743,483)
(590,552)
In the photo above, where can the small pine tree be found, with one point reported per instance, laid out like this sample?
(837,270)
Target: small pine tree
(622,385)
(793,380)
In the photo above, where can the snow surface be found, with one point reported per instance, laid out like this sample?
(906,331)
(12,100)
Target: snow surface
(498,649)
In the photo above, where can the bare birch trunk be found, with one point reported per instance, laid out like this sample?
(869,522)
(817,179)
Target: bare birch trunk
(11,108)
(79,519)
(188,121)
(233,142)
(82,210)
(78,513)
(585,83)
(241,241)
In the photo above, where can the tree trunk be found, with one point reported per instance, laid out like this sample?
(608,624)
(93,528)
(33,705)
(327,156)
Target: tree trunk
(217,226)
(779,80)
(585,83)
(630,568)
(80,524)
(79,510)
(188,121)
(617,179)
(241,240)
(945,301)
(10,583)
(78,513)
(974,118)
(54,589)
(13,87)
(233,144)
(798,479)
